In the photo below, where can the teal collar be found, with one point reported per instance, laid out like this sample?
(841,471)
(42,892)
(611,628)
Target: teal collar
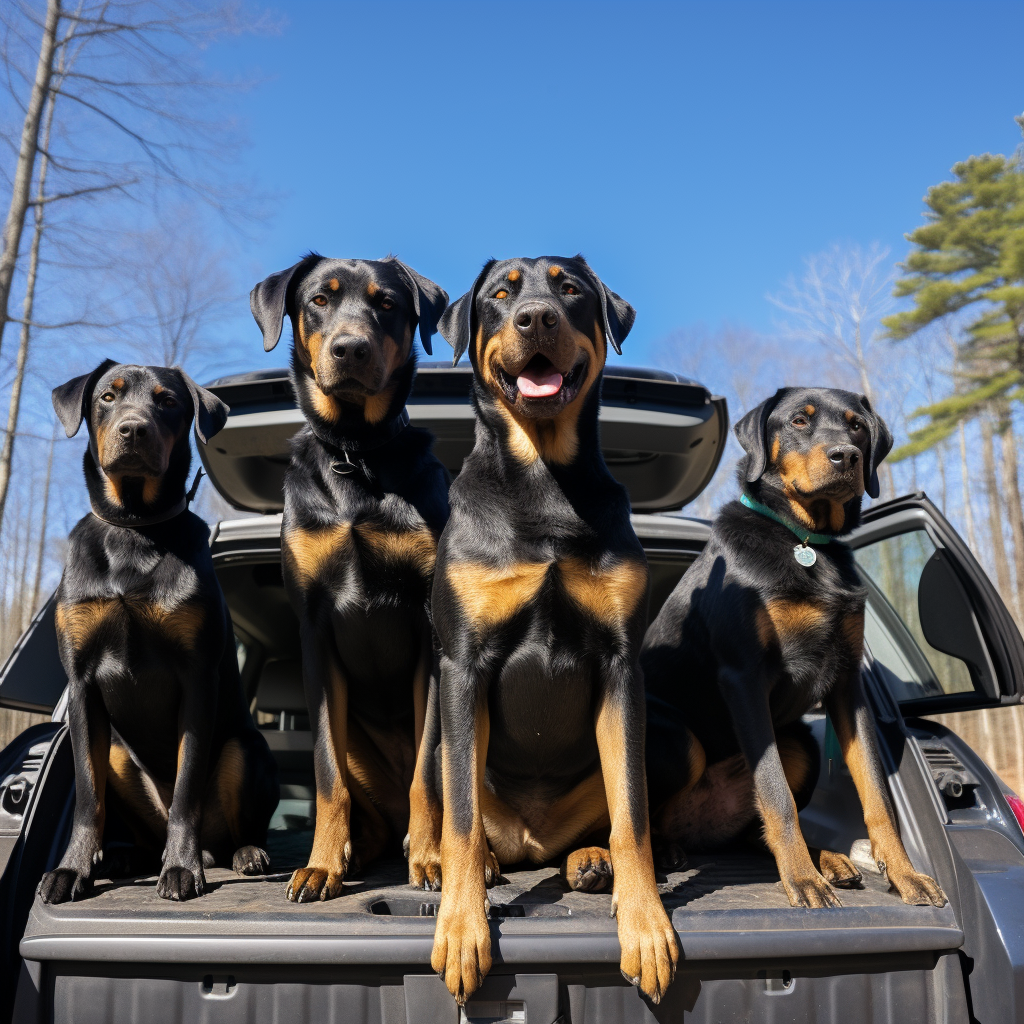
(803,534)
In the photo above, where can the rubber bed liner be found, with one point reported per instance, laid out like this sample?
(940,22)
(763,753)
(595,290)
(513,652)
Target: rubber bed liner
(724,907)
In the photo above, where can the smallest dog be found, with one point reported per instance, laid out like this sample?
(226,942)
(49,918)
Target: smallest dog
(767,622)
(159,724)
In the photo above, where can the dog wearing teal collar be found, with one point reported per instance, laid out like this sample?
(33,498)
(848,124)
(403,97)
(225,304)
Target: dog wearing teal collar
(760,630)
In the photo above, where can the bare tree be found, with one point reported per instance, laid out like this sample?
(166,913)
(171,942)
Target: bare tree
(838,305)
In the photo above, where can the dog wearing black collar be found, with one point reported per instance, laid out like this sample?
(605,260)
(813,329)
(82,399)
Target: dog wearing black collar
(767,623)
(160,730)
(365,501)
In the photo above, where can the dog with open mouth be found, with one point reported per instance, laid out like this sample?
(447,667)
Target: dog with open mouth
(540,602)
(364,503)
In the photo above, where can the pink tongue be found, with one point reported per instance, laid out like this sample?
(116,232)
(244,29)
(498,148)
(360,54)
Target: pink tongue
(539,384)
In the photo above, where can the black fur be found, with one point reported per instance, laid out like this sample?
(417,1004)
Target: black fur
(359,470)
(147,643)
(750,640)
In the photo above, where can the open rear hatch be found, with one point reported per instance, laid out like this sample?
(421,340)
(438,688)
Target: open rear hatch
(662,435)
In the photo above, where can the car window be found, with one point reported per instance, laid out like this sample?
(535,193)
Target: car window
(891,569)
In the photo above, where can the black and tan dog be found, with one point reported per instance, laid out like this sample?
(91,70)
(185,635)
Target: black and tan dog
(365,501)
(159,724)
(540,599)
(767,622)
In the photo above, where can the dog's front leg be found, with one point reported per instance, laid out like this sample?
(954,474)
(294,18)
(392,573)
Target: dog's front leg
(648,942)
(462,938)
(182,876)
(327,698)
(423,843)
(747,700)
(90,745)
(848,708)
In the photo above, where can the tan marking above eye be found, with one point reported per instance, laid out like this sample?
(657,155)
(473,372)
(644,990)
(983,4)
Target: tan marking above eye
(334,284)
(513,275)
(809,409)
(501,294)
(372,288)
(117,382)
(554,271)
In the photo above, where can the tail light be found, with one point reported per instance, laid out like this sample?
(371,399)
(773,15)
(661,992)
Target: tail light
(1017,806)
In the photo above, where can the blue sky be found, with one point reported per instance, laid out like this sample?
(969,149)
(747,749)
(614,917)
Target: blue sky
(694,152)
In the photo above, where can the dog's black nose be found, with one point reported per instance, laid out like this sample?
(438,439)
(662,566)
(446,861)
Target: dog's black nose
(536,320)
(132,429)
(843,456)
(350,351)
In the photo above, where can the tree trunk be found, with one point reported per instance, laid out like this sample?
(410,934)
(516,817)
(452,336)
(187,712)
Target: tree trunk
(965,478)
(940,457)
(995,517)
(14,408)
(41,550)
(25,168)
(1011,491)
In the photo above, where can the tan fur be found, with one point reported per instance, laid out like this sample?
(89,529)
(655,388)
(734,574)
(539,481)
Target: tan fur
(334,284)
(610,595)
(306,551)
(539,832)
(852,627)
(488,595)
(462,939)
(789,620)
(416,547)
(148,800)
(424,812)
(555,272)
(554,440)
(513,275)
(648,943)
(809,409)
(229,778)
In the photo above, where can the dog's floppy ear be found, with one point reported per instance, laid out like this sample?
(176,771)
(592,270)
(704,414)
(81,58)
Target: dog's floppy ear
(428,299)
(71,400)
(752,434)
(268,299)
(619,315)
(456,325)
(881,445)
(210,412)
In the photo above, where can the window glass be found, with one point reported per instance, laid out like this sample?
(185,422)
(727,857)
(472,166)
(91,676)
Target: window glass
(891,569)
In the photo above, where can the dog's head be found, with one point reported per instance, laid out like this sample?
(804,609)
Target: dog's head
(819,449)
(352,324)
(138,419)
(538,331)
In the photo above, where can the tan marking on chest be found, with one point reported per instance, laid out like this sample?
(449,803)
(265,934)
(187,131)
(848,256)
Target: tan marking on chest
(79,622)
(489,595)
(416,547)
(306,551)
(788,620)
(610,595)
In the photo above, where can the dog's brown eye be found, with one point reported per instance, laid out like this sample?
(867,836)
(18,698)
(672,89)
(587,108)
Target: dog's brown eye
(570,289)
(799,421)
(386,304)
(168,400)
(107,396)
(501,294)
(319,300)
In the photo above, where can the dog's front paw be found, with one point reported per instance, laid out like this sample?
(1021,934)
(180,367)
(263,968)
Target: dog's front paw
(837,869)
(650,951)
(668,854)
(917,889)
(589,870)
(251,860)
(462,950)
(180,883)
(810,890)
(64,885)
(315,883)
(492,869)
(424,864)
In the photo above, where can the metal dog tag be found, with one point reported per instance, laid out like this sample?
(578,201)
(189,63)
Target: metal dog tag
(805,555)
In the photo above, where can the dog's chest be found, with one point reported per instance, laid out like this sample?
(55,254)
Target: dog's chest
(557,594)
